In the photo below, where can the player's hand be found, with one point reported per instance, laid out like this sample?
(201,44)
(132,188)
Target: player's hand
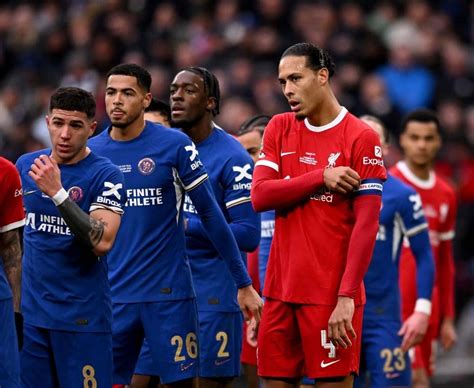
(251,334)
(341,179)
(250,303)
(46,174)
(414,329)
(448,334)
(340,323)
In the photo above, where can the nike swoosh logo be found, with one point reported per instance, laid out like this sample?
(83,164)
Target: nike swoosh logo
(29,192)
(287,153)
(185,367)
(325,365)
(220,362)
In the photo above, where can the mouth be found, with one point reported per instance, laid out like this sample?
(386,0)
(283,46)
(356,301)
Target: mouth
(63,147)
(117,113)
(176,110)
(295,105)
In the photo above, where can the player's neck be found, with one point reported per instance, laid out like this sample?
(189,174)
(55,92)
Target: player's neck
(420,171)
(200,132)
(326,112)
(82,154)
(129,132)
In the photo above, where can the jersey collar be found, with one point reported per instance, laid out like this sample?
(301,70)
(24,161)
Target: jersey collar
(330,125)
(425,184)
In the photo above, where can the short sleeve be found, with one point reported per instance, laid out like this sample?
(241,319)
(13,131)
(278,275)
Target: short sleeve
(110,194)
(11,199)
(269,155)
(190,169)
(367,160)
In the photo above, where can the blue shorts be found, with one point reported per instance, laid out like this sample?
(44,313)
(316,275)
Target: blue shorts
(9,358)
(170,328)
(54,358)
(382,357)
(220,340)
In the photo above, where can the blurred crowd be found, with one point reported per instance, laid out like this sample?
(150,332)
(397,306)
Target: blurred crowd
(391,57)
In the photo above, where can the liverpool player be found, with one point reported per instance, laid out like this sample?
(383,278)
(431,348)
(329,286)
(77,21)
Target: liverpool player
(12,218)
(384,340)
(420,140)
(325,228)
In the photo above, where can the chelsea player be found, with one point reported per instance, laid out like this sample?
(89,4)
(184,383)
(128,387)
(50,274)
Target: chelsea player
(150,277)
(385,341)
(74,201)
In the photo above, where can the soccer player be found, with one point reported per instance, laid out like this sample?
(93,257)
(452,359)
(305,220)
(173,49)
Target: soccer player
(149,272)
(420,140)
(11,218)
(385,342)
(158,112)
(74,201)
(321,168)
(250,135)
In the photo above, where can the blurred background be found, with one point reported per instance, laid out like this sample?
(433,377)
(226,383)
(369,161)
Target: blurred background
(391,57)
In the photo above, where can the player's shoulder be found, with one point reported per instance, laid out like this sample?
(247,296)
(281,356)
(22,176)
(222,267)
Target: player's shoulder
(229,146)
(397,185)
(30,156)
(359,129)
(101,162)
(6,165)
(442,185)
(284,122)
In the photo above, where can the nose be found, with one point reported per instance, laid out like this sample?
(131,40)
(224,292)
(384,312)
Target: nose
(177,95)
(65,132)
(287,90)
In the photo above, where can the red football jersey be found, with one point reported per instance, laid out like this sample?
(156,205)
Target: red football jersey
(439,204)
(310,245)
(12,215)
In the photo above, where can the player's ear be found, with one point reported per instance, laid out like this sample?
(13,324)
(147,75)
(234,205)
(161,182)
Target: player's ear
(323,76)
(147,100)
(92,128)
(211,104)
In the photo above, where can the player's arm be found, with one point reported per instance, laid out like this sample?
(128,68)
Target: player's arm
(10,251)
(96,230)
(270,191)
(415,228)
(244,224)
(221,236)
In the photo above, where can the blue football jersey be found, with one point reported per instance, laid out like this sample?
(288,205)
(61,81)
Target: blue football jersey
(148,262)
(268,227)
(401,216)
(64,284)
(230,172)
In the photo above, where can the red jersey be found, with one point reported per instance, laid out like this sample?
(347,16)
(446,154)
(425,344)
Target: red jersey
(11,201)
(310,245)
(439,204)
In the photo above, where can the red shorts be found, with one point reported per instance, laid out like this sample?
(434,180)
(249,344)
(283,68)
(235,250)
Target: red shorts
(292,342)
(249,353)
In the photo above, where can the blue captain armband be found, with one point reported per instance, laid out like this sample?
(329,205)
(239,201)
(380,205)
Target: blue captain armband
(369,187)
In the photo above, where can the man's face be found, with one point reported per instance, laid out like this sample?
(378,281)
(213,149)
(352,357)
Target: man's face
(188,100)
(69,131)
(125,100)
(252,142)
(420,142)
(157,117)
(301,85)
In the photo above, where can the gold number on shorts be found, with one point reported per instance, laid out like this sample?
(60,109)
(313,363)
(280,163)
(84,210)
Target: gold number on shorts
(178,341)
(191,345)
(328,344)
(89,380)
(389,355)
(223,338)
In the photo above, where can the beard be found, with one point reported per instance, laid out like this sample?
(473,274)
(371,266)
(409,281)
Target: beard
(184,124)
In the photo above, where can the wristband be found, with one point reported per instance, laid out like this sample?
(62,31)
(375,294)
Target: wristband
(60,196)
(423,306)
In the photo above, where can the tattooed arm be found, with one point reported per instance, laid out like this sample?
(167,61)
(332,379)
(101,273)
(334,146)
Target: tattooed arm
(96,230)
(10,251)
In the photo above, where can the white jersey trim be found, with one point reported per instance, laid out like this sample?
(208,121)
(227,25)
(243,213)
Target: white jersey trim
(13,225)
(237,201)
(425,184)
(445,236)
(330,125)
(267,163)
(114,209)
(416,229)
(196,182)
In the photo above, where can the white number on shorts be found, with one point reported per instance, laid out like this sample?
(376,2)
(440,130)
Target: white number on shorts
(389,355)
(191,346)
(88,372)
(328,344)
(223,338)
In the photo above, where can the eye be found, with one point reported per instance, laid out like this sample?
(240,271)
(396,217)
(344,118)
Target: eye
(294,78)
(109,92)
(189,91)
